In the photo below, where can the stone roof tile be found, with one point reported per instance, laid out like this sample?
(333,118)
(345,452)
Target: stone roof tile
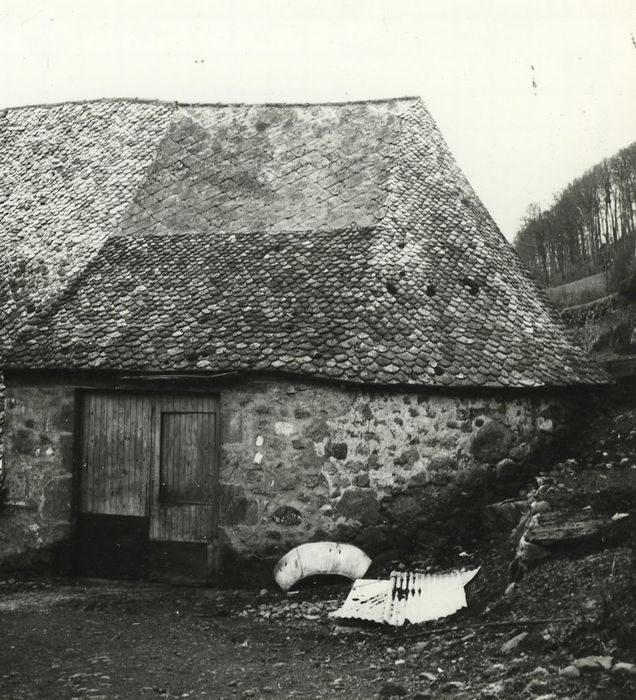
(175,270)
(336,241)
(67,174)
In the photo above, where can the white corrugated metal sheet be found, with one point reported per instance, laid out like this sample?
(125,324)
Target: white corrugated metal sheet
(406,596)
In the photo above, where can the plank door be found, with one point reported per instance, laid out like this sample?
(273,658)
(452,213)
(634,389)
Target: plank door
(147,504)
(114,485)
(183,509)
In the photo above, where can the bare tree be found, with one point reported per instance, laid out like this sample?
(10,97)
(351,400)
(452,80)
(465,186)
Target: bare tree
(591,222)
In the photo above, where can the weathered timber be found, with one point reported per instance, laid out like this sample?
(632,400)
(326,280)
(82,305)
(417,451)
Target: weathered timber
(567,527)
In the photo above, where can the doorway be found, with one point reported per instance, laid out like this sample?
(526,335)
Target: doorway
(148,486)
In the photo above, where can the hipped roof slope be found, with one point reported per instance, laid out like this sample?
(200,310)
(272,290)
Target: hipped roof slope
(334,241)
(67,173)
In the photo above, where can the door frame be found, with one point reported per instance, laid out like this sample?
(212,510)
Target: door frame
(79,434)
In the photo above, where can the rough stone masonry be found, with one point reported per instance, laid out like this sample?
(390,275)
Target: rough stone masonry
(298,462)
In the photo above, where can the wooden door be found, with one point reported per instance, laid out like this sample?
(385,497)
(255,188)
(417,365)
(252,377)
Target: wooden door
(185,470)
(148,485)
(116,454)
(114,485)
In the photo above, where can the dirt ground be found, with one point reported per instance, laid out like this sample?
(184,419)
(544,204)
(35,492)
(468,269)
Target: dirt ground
(98,639)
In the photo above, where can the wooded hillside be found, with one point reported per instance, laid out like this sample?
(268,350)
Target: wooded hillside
(590,228)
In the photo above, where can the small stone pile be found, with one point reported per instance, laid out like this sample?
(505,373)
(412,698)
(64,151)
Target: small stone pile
(542,519)
(598,664)
(288,608)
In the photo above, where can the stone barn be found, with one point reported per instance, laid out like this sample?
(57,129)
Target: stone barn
(232,329)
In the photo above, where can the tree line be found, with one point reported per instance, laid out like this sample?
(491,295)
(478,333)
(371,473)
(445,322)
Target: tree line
(590,228)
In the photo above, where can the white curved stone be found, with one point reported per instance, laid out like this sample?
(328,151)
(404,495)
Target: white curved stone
(314,558)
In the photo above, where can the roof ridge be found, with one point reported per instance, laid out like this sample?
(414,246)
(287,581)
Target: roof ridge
(95,100)
(328,103)
(177,104)
(41,317)
(388,221)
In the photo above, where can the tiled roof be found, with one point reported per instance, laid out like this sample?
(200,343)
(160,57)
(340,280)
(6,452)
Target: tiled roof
(333,241)
(67,174)
(283,168)
(349,304)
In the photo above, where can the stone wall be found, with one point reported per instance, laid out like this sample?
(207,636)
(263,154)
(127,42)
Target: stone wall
(299,462)
(577,316)
(605,327)
(303,462)
(36,506)
(580,291)
(2,389)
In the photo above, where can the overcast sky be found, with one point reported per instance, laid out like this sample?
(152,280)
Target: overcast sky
(529,93)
